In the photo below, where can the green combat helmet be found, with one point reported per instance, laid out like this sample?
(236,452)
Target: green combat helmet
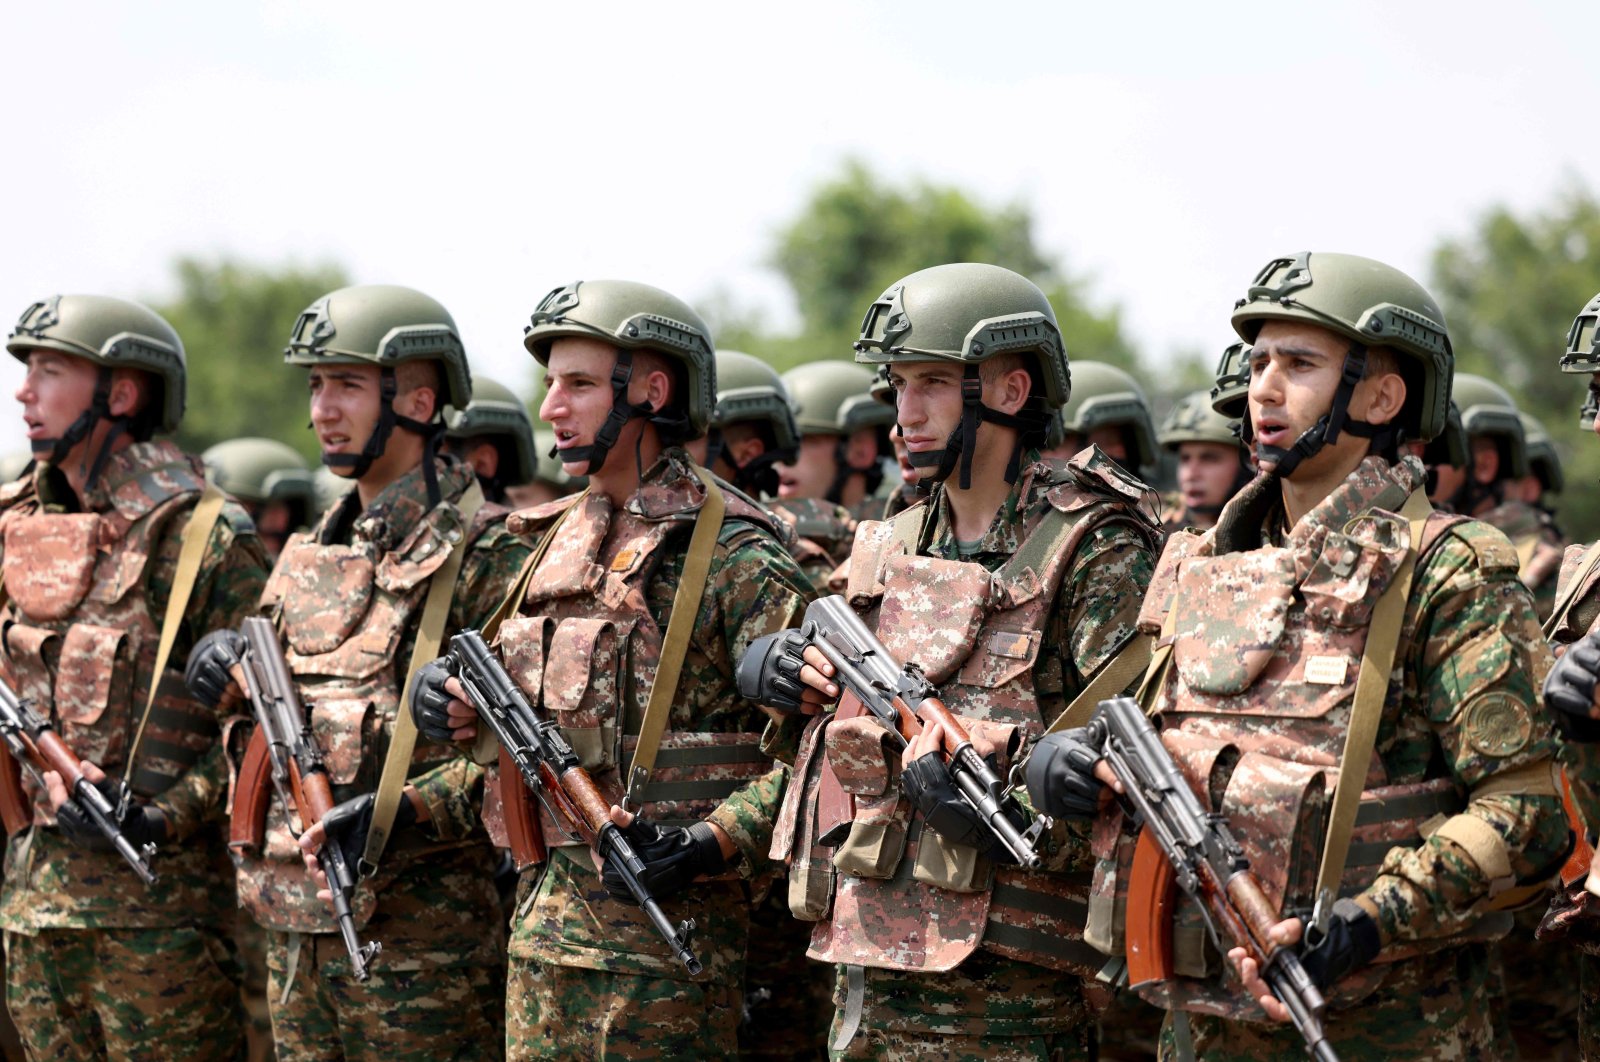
(1583,356)
(1488,411)
(114,334)
(384,325)
(835,398)
(1371,305)
(1230,393)
(631,317)
(257,471)
(1450,446)
(1103,396)
(1193,420)
(967,313)
(1543,461)
(749,391)
(496,416)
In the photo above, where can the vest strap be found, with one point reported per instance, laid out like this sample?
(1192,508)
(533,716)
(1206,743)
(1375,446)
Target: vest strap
(1372,686)
(1569,597)
(1113,677)
(685,609)
(430,637)
(196,536)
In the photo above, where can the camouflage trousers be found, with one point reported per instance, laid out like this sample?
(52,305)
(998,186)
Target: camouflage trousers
(787,997)
(566,1012)
(1534,1002)
(154,994)
(320,1012)
(1433,1007)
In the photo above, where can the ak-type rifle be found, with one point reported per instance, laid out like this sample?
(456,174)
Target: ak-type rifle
(1183,846)
(33,743)
(903,701)
(533,746)
(284,757)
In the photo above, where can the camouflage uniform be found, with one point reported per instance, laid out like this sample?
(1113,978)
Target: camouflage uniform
(98,963)
(589,975)
(1459,718)
(1539,545)
(824,533)
(1009,627)
(346,599)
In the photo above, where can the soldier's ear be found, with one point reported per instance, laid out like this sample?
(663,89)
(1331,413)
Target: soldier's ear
(1015,386)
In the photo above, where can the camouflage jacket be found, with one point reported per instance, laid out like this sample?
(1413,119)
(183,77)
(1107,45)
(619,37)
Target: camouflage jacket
(1461,713)
(629,565)
(346,598)
(1582,615)
(823,534)
(103,611)
(1539,545)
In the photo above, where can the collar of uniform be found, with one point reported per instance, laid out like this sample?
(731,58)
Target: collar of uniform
(1005,532)
(668,489)
(400,506)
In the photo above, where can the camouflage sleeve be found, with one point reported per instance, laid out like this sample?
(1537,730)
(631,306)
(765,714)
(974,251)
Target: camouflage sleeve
(227,589)
(1100,608)
(1475,662)
(452,793)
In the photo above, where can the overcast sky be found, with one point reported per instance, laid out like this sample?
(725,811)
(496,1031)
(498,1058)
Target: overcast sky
(487,154)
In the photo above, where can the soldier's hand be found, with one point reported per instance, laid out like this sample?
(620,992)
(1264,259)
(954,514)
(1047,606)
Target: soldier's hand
(781,671)
(139,823)
(346,827)
(439,705)
(209,674)
(1569,690)
(1351,941)
(673,856)
(1066,775)
(927,783)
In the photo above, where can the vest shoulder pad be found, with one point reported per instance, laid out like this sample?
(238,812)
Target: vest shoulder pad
(1090,476)
(1489,545)
(527,521)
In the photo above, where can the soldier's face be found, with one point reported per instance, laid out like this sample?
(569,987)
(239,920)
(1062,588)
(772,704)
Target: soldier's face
(1485,459)
(345,403)
(1206,473)
(813,470)
(1112,439)
(929,405)
(55,391)
(577,397)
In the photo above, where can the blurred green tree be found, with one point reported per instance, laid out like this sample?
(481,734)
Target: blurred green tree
(235,318)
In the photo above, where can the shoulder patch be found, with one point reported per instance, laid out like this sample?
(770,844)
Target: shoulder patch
(1496,724)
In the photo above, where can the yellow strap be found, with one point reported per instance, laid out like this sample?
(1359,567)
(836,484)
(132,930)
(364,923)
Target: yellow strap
(685,607)
(1525,550)
(1112,678)
(1372,686)
(196,536)
(1569,597)
(430,636)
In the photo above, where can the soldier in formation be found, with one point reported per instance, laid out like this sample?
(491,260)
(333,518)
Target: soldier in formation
(1212,465)
(270,482)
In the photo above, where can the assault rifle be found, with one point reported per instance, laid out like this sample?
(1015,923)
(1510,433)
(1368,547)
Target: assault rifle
(1183,845)
(32,742)
(902,700)
(539,752)
(284,752)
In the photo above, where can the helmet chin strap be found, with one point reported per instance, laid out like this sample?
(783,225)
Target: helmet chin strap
(357,465)
(963,441)
(54,451)
(1330,425)
(622,411)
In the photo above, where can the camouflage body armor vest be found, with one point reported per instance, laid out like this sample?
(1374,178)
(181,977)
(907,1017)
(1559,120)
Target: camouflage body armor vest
(1266,644)
(584,645)
(1539,553)
(895,895)
(79,634)
(342,612)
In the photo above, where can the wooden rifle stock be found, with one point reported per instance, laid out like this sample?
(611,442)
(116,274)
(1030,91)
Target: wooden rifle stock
(521,816)
(252,792)
(16,810)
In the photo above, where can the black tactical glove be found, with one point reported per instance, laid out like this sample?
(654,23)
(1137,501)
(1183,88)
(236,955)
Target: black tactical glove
(928,785)
(207,674)
(673,856)
(348,824)
(1569,690)
(769,671)
(429,701)
(1350,942)
(139,823)
(1060,771)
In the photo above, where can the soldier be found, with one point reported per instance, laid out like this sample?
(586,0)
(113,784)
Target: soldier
(1212,466)
(100,552)
(1010,585)
(1497,442)
(269,480)
(620,577)
(550,481)
(350,599)
(1274,677)
(494,435)
(905,494)
(843,436)
(1109,410)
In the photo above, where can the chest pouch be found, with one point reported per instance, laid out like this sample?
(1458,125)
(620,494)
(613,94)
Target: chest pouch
(583,668)
(1231,619)
(341,727)
(569,566)
(932,611)
(50,561)
(868,771)
(327,593)
(1348,575)
(794,835)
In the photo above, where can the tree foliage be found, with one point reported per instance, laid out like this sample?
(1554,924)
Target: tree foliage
(1510,288)
(235,318)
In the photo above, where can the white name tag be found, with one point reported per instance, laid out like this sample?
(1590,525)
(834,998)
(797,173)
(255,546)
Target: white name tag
(1327,670)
